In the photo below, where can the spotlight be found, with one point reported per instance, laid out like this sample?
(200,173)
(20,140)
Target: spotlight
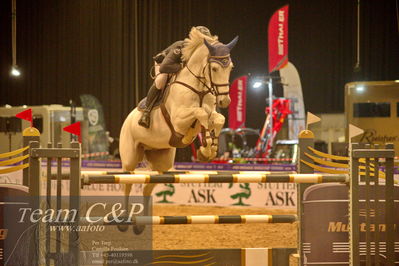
(15,71)
(360,89)
(257,84)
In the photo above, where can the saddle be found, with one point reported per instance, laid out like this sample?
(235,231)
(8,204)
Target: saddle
(142,104)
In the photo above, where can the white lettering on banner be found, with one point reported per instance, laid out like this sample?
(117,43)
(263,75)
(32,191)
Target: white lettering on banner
(239,100)
(281,16)
(280,39)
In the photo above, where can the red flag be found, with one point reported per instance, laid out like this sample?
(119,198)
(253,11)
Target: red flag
(74,129)
(26,115)
(278,39)
(237,107)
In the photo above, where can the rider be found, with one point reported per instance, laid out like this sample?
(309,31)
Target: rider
(169,61)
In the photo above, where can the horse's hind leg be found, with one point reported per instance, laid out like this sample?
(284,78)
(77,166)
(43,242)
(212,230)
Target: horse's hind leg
(131,154)
(130,157)
(130,160)
(159,160)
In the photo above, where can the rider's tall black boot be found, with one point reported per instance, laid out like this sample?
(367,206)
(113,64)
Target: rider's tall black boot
(152,97)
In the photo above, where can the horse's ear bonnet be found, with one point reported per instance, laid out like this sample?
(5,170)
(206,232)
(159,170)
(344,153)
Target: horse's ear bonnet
(219,52)
(232,43)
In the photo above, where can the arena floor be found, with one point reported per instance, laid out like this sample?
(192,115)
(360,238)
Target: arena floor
(221,235)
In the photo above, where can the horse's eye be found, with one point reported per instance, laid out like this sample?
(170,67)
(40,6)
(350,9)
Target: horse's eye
(214,69)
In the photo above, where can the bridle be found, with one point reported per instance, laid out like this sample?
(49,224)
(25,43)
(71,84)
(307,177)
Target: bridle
(213,89)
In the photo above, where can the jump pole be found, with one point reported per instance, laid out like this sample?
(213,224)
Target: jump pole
(205,178)
(194,219)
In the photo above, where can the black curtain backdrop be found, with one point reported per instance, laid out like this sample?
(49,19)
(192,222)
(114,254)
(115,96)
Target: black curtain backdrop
(104,47)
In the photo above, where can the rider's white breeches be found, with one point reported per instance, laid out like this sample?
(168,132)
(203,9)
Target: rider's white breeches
(160,78)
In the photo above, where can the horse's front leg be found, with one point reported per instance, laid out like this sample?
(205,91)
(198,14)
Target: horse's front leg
(216,123)
(191,132)
(188,117)
(211,136)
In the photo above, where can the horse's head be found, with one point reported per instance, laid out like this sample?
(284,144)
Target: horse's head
(219,68)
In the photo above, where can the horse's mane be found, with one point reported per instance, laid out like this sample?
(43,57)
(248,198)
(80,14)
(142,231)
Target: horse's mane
(195,39)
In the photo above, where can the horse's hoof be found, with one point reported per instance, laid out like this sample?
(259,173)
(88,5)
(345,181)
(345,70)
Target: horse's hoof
(123,227)
(201,157)
(138,229)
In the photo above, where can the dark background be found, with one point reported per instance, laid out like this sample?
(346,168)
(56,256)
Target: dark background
(104,47)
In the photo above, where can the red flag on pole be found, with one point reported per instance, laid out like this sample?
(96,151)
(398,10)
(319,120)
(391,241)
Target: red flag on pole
(278,39)
(237,107)
(74,129)
(26,115)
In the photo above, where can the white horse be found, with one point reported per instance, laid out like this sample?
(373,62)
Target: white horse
(190,102)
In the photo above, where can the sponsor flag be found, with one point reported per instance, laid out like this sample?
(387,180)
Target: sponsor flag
(26,115)
(237,107)
(278,39)
(293,91)
(74,129)
(354,131)
(311,119)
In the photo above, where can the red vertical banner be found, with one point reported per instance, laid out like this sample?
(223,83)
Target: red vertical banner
(278,39)
(237,107)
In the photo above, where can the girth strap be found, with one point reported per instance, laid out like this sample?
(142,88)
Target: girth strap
(176,138)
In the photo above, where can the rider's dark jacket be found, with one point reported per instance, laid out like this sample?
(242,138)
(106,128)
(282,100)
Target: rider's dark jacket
(170,58)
